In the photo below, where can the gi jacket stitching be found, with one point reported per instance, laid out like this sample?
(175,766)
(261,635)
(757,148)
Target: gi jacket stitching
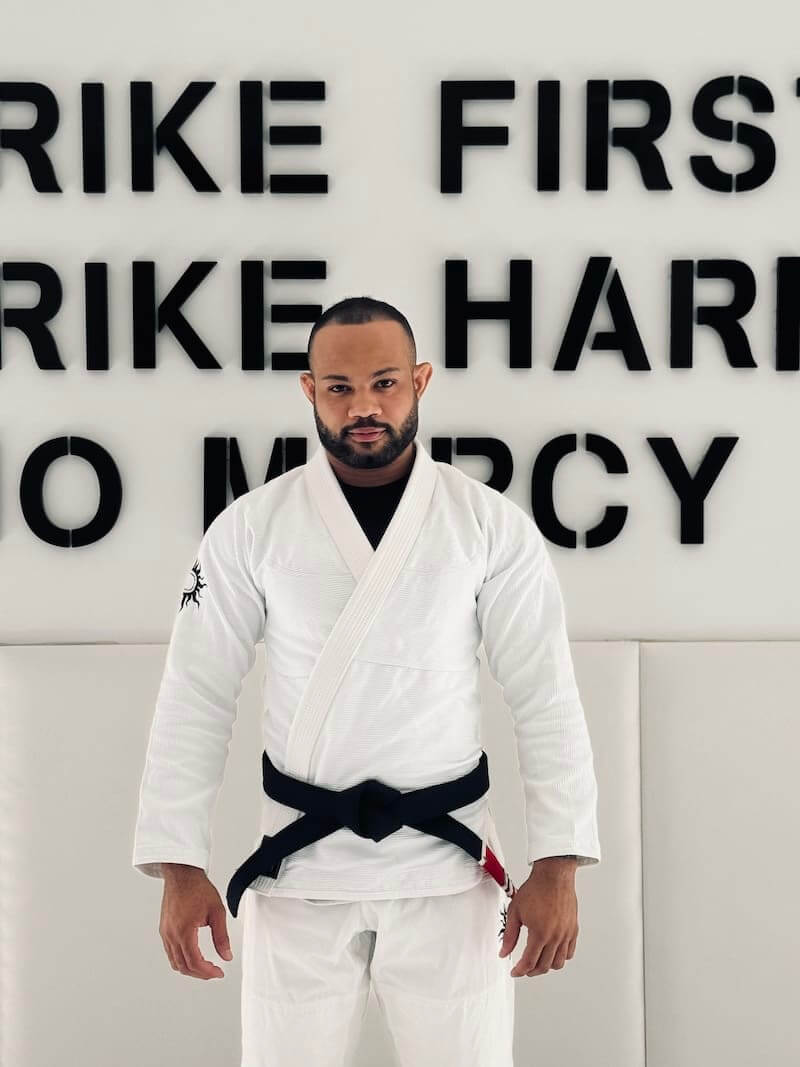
(464,564)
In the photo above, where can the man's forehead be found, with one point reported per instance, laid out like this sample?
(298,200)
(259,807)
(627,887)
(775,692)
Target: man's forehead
(358,352)
(380,334)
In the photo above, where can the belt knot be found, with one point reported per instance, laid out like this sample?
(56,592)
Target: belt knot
(370,809)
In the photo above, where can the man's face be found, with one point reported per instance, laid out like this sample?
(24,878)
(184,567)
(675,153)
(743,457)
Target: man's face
(362,377)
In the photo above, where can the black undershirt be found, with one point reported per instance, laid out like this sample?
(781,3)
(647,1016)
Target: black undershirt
(374,505)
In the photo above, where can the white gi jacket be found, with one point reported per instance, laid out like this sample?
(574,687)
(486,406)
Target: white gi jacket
(408,709)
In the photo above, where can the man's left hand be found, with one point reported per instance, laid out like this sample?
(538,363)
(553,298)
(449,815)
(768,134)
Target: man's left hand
(547,905)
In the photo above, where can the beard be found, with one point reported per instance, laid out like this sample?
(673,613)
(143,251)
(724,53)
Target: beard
(377,454)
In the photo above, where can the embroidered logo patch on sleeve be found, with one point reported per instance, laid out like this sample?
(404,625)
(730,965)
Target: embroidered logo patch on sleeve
(196,583)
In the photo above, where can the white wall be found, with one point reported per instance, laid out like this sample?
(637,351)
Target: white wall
(688,655)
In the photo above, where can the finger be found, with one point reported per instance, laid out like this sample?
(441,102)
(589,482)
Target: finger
(169,953)
(571,949)
(511,933)
(180,958)
(219,933)
(174,954)
(528,958)
(561,955)
(198,966)
(545,961)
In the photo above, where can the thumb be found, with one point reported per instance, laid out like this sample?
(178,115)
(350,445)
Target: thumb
(219,933)
(513,927)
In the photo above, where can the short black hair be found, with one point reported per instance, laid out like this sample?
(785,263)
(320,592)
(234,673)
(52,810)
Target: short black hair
(355,310)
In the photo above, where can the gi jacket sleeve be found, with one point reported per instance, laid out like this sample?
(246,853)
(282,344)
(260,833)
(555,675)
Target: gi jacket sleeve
(521,615)
(219,620)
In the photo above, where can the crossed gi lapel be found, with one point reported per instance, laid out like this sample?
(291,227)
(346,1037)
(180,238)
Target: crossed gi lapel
(375,571)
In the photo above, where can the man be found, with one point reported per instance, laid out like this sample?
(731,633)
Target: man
(409,915)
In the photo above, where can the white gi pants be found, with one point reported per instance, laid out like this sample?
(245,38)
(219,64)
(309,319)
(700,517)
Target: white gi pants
(432,961)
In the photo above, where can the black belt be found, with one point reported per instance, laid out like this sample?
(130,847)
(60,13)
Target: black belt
(370,809)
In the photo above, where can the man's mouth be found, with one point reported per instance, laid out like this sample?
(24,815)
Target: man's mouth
(365,435)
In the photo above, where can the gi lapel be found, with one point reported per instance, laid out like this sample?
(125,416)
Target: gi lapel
(375,572)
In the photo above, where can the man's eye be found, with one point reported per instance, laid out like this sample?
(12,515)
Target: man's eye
(391,380)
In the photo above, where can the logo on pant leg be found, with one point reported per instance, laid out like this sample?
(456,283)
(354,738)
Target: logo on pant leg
(503,915)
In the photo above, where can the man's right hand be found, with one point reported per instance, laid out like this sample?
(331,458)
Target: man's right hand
(190,901)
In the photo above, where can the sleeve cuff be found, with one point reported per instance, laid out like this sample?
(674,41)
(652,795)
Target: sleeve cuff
(150,862)
(586,856)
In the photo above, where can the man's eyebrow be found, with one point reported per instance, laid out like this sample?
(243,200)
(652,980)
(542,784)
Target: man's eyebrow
(344,378)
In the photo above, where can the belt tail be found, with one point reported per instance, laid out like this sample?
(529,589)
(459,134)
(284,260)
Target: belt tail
(492,859)
(260,863)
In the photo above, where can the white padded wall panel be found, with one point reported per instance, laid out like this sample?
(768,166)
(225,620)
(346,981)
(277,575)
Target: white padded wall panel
(84,976)
(721,814)
(602,984)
